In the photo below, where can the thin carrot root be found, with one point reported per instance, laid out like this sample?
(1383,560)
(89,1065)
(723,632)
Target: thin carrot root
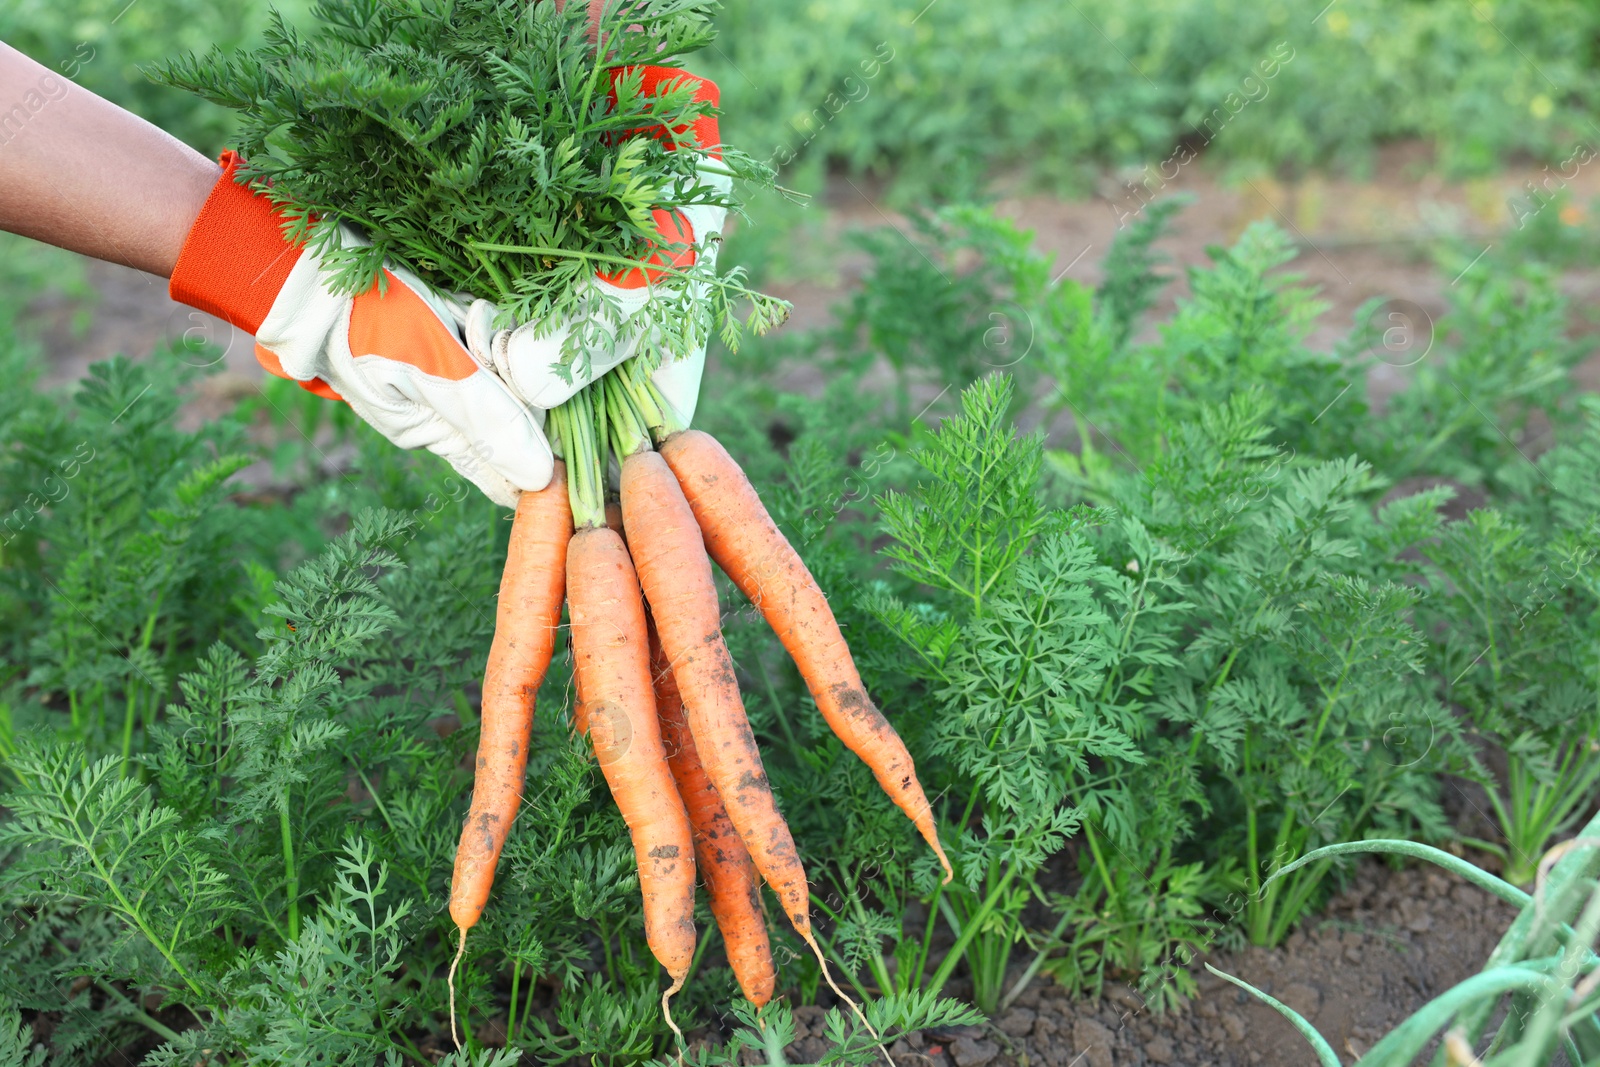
(451,982)
(666,1010)
(827,976)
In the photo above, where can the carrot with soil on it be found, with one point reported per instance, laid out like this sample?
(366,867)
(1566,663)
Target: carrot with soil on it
(527,617)
(741,537)
(675,574)
(611,659)
(720,856)
(676,577)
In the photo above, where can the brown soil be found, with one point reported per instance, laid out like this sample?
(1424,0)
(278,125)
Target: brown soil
(131,316)
(1358,239)
(1385,946)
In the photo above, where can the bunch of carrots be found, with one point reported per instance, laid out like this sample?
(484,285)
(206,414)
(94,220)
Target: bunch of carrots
(492,119)
(657,692)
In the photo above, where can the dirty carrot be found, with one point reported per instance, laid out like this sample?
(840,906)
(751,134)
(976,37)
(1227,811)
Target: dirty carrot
(747,545)
(611,658)
(720,856)
(527,617)
(676,576)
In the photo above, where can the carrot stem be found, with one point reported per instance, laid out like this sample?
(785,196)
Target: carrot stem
(779,710)
(291,880)
(585,472)
(127,725)
(527,1006)
(511,1020)
(701,948)
(772,1046)
(653,408)
(624,422)
(599,419)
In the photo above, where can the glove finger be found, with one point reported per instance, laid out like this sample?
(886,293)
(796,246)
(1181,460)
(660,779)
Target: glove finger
(506,436)
(528,362)
(456,305)
(460,454)
(531,363)
(392,407)
(478,328)
(417,410)
(679,384)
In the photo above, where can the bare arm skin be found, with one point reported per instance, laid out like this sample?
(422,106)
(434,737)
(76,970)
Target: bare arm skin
(78,172)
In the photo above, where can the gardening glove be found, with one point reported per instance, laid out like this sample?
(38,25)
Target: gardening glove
(393,353)
(527,357)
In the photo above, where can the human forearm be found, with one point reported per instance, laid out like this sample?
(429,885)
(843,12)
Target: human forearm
(79,172)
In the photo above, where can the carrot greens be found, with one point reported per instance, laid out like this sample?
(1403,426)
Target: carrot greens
(489,147)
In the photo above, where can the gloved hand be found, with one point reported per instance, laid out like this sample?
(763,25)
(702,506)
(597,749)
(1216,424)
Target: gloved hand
(526,357)
(393,353)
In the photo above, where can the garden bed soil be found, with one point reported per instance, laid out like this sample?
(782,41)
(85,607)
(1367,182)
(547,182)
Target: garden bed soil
(1385,946)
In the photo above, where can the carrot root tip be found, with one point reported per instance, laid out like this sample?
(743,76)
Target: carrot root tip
(451,982)
(666,1011)
(822,961)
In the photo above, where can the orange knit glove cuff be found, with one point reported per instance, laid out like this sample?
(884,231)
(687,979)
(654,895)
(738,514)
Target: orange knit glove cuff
(235,259)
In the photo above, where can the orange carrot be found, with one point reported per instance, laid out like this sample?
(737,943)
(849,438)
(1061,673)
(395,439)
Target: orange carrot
(527,617)
(613,520)
(719,855)
(676,576)
(675,572)
(612,661)
(747,545)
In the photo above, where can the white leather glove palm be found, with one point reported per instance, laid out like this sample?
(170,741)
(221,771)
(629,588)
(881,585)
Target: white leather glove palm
(397,359)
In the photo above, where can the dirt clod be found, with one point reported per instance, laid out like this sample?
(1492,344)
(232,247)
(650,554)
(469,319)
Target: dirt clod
(1093,1042)
(968,1052)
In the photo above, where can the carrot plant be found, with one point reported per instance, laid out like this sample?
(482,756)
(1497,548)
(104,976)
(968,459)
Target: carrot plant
(951,312)
(112,519)
(1013,644)
(1266,634)
(1517,648)
(1302,667)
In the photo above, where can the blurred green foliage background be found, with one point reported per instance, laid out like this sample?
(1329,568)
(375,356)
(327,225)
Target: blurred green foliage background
(941,93)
